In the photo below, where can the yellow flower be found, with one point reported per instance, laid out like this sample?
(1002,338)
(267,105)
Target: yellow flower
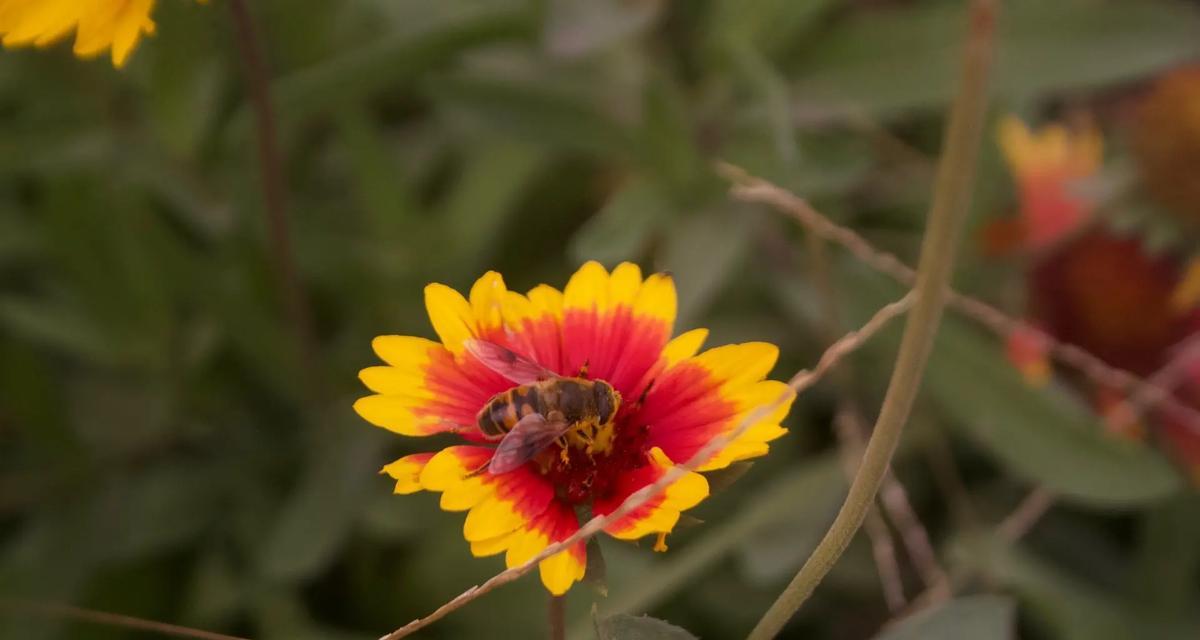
(99,25)
(670,400)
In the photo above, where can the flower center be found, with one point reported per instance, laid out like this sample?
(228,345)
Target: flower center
(589,460)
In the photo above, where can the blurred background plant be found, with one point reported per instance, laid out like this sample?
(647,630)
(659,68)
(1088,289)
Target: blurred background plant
(168,452)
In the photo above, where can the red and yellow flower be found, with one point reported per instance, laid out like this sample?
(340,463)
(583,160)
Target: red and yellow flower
(98,25)
(615,326)
(1049,166)
(1093,288)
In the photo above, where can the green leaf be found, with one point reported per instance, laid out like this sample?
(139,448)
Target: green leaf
(1066,607)
(317,516)
(703,251)
(1046,436)
(1044,47)
(627,627)
(161,509)
(59,326)
(484,199)
(1167,560)
(184,88)
(391,61)
(532,112)
(1043,435)
(624,226)
(722,479)
(975,617)
(789,534)
(768,24)
(580,27)
(666,141)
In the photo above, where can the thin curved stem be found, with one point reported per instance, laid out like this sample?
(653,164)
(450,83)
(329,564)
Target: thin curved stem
(956,173)
(556,613)
(57,610)
(273,184)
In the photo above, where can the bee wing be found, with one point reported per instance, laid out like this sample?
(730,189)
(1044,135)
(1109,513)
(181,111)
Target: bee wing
(507,363)
(527,438)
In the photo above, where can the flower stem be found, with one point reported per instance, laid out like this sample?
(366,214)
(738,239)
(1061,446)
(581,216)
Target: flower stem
(956,173)
(557,613)
(271,177)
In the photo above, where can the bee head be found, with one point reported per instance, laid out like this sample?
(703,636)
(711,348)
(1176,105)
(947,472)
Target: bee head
(606,401)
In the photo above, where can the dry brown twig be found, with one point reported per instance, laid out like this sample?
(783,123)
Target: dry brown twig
(56,610)
(750,188)
(803,380)
(882,546)
(899,509)
(1162,383)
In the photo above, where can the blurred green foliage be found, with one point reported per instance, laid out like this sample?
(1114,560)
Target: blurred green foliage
(163,454)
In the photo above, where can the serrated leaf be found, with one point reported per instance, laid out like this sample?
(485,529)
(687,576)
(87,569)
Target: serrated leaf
(626,627)
(976,617)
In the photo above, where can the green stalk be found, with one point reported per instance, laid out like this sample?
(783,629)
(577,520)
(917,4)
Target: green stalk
(955,177)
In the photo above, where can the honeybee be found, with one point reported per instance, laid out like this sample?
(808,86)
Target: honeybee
(542,408)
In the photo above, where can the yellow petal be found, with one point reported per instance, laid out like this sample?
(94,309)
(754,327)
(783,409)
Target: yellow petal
(738,364)
(1016,142)
(684,346)
(1187,293)
(487,302)
(686,492)
(492,546)
(405,352)
(525,544)
(394,381)
(546,300)
(445,470)
(624,284)
(466,494)
(450,315)
(657,298)
(393,413)
(588,288)
(492,517)
(560,571)
(407,472)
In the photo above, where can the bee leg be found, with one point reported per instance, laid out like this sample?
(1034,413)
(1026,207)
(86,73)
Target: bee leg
(589,439)
(583,370)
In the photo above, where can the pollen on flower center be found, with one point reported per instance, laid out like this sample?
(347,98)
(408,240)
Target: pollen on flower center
(594,457)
